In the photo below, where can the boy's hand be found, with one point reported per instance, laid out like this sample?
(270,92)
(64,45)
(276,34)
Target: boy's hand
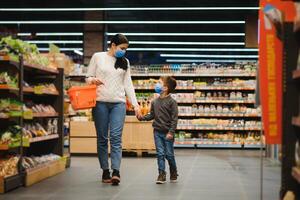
(169,136)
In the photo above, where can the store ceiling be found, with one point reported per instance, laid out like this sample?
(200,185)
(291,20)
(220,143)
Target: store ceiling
(149,52)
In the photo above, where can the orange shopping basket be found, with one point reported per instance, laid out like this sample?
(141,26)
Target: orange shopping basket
(82,97)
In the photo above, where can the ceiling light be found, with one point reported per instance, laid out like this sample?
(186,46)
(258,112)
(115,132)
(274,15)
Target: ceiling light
(185,43)
(122,22)
(54,41)
(62,49)
(78,52)
(127,9)
(179,34)
(195,49)
(207,56)
(51,34)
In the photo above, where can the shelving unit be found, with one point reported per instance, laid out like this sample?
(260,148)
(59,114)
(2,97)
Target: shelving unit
(12,182)
(196,74)
(41,145)
(290,176)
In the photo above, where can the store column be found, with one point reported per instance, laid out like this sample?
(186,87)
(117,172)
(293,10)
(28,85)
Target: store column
(93,35)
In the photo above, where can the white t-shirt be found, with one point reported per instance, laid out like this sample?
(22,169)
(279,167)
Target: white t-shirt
(116,82)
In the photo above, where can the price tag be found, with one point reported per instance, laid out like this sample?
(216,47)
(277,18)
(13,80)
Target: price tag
(28,114)
(38,89)
(26,142)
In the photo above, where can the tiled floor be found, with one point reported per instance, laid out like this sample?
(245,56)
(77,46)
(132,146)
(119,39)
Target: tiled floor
(204,174)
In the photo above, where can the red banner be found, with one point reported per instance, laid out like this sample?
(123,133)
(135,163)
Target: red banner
(272,15)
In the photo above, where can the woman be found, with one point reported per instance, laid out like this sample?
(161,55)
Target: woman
(111,73)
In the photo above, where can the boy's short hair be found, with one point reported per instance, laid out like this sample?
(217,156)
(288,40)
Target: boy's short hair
(170,83)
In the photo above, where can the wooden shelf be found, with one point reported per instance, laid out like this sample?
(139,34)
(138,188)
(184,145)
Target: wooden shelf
(7,87)
(296,173)
(296,121)
(296,74)
(40,68)
(196,74)
(200,88)
(31,90)
(43,138)
(41,115)
(44,171)
(11,182)
(4,60)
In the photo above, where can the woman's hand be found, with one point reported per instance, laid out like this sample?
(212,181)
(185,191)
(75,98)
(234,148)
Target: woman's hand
(96,81)
(138,112)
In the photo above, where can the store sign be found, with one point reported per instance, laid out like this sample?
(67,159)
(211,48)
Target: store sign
(272,15)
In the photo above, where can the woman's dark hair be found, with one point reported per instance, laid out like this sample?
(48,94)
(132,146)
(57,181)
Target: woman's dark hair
(117,40)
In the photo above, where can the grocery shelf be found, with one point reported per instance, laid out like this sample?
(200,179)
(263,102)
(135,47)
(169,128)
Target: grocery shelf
(296,121)
(201,88)
(219,115)
(4,60)
(7,87)
(30,90)
(296,74)
(219,129)
(6,147)
(219,101)
(296,173)
(41,115)
(40,68)
(43,138)
(191,75)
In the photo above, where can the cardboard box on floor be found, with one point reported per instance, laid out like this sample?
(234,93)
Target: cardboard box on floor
(136,136)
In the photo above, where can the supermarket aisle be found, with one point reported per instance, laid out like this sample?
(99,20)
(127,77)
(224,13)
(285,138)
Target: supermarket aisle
(204,174)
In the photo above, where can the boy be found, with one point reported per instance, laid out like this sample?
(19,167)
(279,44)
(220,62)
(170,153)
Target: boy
(164,111)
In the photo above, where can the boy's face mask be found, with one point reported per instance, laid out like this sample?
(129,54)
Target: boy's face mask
(158,88)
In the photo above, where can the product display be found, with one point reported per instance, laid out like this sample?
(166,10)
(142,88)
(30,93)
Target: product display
(35,161)
(219,109)
(10,107)
(204,84)
(225,138)
(31,116)
(32,130)
(9,166)
(205,68)
(213,96)
(8,80)
(39,109)
(11,137)
(218,124)
(14,47)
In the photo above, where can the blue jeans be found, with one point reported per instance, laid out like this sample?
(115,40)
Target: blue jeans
(164,150)
(109,116)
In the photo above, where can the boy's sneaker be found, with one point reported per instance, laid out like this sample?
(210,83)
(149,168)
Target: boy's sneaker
(161,179)
(106,178)
(173,176)
(115,180)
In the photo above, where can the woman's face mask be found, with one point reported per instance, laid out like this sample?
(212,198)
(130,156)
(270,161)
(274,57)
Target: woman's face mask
(120,50)
(120,53)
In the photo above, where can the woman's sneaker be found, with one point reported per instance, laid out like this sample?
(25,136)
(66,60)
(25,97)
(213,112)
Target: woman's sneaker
(173,176)
(106,178)
(161,179)
(115,180)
